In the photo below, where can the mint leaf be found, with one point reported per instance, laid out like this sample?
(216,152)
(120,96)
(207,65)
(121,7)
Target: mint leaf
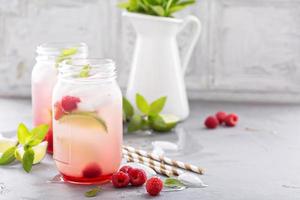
(145,123)
(158,124)
(8,156)
(136,123)
(23,134)
(157,106)
(27,160)
(92,192)
(158,10)
(69,52)
(186,3)
(142,104)
(85,71)
(65,54)
(176,8)
(127,109)
(38,135)
(173,182)
(123,5)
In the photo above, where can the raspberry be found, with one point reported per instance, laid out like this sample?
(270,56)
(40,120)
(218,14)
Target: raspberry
(231,120)
(154,185)
(211,122)
(92,171)
(221,116)
(120,179)
(126,169)
(49,139)
(58,111)
(69,103)
(137,177)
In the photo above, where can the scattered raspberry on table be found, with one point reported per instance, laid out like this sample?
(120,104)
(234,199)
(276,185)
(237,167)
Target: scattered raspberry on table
(154,185)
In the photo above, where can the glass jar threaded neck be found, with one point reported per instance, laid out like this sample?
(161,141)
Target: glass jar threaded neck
(53,50)
(87,70)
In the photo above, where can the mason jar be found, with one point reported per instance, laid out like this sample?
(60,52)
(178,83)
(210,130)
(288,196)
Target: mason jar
(87,121)
(44,77)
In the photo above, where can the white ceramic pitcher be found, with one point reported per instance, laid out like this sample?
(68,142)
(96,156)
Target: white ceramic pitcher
(157,69)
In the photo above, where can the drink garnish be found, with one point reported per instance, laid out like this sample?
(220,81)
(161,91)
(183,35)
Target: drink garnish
(150,117)
(85,71)
(29,140)
(84,119)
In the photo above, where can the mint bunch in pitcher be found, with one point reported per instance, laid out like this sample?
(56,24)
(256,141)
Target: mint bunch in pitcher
(163,8)
(148,117)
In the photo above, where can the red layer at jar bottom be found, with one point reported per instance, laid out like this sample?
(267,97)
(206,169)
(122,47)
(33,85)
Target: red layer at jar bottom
(87,181)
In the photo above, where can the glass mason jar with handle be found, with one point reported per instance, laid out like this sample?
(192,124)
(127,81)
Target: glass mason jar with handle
(87,121)
(44,77)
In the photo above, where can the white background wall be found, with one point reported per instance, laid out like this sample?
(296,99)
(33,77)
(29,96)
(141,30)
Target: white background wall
(248,50)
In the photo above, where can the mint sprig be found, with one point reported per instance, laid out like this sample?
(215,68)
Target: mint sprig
(28,139)
(85,71)
(163,8)
(148,117)
(66,54)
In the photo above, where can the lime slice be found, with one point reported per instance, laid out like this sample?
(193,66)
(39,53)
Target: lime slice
(39,152)
(6,143)
(84,119)
(164,122)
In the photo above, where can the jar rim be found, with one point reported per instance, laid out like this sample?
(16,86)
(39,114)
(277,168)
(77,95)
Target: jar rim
(55,48)
(99,69)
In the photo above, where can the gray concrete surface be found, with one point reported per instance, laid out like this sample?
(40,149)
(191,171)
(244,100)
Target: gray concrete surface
(258,159)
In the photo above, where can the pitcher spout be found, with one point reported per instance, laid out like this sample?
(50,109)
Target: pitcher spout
(147,25)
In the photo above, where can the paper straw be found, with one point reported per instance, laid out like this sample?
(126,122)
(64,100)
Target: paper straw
(174,170)
(167,160)
(157,169)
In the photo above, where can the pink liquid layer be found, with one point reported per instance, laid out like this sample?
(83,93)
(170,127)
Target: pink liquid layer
(42,108)
(85,153)
(87,181)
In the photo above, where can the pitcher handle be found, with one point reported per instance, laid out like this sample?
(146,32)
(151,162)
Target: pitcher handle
(194,38)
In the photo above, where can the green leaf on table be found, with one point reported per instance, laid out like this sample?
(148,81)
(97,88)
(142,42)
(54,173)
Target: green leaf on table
(23,134)
(157,106)
(142,104)
(85,71)
(27,160)
(8,156)
(92,192)
(38,135)
(172,182)
(136,123)
(127,109)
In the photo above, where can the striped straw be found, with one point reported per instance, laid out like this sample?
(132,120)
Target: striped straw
(167,160)
(160,165)
(155,168)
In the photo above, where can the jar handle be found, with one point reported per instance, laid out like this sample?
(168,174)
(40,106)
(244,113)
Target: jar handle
(194,38)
